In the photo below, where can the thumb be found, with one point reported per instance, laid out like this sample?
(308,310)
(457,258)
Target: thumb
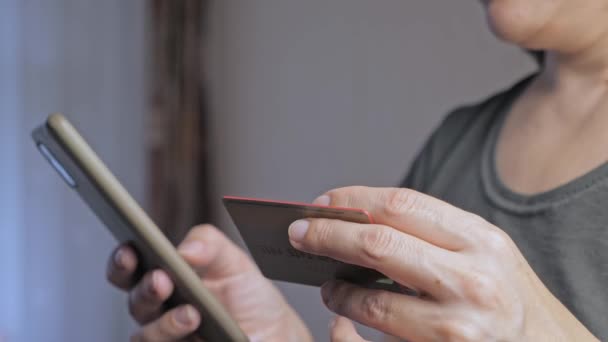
(343,330)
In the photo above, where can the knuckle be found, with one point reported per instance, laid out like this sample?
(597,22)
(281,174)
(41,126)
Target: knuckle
(138,300)
(343,197)
(481,290)
(146,291)
(377,244)
(472,228)
(473,219)
(375,307)
(203,230)
(340,302)
(472,222)
(401,201)
(459,331)
(206,233)
(497,240)
(114,274)
(320,232)
(352,190)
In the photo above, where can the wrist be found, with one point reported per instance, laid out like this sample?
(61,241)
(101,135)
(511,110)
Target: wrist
(554,321)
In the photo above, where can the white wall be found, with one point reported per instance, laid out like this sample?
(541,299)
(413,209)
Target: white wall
(83,58)
(11,293)
(310,95)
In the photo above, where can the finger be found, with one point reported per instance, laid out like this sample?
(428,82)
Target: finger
(147,297)
(122,267)
(403,316)
(174,325)
(213,255)
(343,330)
(412,212)
(401,257)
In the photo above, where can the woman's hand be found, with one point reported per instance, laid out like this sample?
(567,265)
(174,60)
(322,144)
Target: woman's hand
(343,330)
(475,285)
(252,300)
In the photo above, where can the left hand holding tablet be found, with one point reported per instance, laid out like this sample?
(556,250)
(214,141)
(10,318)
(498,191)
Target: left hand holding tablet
(474,282)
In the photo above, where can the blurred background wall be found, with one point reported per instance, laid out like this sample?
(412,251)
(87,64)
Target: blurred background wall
(84,58)
(304,96)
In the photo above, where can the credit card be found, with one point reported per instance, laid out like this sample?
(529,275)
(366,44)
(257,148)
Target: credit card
(263,225)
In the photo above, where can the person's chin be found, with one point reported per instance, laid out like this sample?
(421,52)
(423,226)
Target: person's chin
(510,23)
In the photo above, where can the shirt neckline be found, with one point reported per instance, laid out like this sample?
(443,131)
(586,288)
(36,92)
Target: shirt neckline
(501,195)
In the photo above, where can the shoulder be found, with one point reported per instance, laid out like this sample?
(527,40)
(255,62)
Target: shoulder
(470,116)
(468,124)
(476,117)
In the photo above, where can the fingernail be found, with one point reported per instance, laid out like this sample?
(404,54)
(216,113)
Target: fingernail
(192,248)
(185,315)
(322,200)
(153,284)
(298,230)
(326,291)
(119,258)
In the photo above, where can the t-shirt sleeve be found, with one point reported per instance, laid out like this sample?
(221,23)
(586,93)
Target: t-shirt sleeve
(437,148)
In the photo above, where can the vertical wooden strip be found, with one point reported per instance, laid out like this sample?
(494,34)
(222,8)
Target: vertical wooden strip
(178,195)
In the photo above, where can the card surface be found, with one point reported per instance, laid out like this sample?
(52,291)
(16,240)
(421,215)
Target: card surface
(263,224)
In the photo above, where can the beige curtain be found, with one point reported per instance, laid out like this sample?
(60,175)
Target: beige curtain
(178,194)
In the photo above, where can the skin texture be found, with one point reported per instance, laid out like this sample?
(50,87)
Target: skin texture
(476,285)
(229,273)
(564,111)
(343,330)
(556,25)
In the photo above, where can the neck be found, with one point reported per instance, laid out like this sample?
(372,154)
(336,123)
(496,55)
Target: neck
(576,83)
(584,65)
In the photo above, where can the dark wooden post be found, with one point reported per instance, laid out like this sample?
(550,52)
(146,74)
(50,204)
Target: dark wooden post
(178,178)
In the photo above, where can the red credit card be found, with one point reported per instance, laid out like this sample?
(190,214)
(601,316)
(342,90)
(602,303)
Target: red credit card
(263,225)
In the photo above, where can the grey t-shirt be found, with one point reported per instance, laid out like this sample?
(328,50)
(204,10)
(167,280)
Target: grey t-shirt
(562,233)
